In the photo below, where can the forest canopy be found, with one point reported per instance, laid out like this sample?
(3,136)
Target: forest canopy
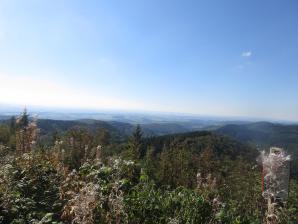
(83,175)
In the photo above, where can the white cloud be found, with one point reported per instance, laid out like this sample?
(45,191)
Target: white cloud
(246,54)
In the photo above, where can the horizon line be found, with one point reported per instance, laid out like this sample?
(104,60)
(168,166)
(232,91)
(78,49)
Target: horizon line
(59,109)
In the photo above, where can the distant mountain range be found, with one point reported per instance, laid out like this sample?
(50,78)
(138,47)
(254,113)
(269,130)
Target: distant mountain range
(152,123)
(121,130)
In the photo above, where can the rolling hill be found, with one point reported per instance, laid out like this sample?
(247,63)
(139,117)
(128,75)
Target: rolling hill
(266,134)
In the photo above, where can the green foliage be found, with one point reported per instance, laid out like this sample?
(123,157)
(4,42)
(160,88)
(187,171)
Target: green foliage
(135,143)
(102,137)
(196,177)
(147,204)
(175,160)
(4,134)
(241,192)
(177,167)
(79,145)
(265,135)
(30,189)
(292,205)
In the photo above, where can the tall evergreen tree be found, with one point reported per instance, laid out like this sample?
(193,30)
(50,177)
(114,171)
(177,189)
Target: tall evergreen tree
(26,132)
(135,144)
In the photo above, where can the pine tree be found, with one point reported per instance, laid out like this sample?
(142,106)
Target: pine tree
(26,133)
(135,144)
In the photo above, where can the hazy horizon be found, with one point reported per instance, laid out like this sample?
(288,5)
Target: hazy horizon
(226,59)
(61,113)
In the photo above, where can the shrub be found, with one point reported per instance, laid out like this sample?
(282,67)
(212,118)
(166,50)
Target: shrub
(29,189)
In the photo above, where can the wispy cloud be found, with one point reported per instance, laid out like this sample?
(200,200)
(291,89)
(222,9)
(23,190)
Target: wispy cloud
(246,54)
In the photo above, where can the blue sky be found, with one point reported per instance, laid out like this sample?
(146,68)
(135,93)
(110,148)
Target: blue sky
(226,58)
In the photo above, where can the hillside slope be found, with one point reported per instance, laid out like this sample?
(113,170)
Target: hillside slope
(200,140)
(265,134)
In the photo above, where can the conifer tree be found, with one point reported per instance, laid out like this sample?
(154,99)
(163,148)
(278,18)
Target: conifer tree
(26,132)
(135,144)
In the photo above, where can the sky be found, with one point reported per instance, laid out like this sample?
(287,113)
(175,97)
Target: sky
(219,58)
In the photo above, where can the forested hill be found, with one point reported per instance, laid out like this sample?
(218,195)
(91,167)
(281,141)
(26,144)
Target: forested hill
(263,133)
(175,160)
(193,177)
(119,130)
(199,141)
(266,134)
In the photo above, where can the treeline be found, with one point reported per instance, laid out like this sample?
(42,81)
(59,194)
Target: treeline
(84,176)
